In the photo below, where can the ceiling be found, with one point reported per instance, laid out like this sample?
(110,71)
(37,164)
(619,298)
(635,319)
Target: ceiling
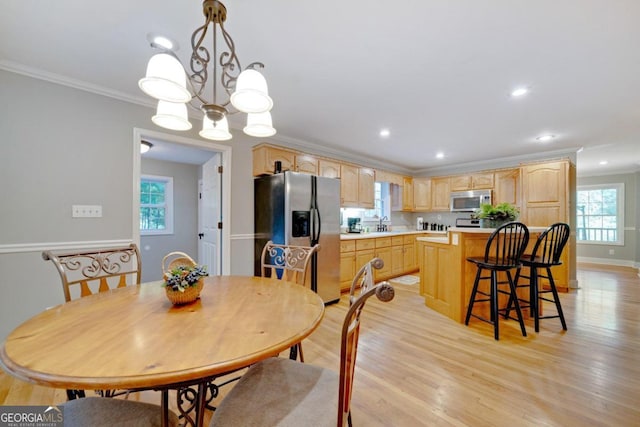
(437,74)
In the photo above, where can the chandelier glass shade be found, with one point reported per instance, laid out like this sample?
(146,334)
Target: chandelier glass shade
(246,90)
(259,125)
(172,115)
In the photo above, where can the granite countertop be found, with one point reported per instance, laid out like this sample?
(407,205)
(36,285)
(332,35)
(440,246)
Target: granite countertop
(490,230)
(354,236)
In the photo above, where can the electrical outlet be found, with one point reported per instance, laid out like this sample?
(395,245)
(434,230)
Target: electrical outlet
(86,211)
(612,252)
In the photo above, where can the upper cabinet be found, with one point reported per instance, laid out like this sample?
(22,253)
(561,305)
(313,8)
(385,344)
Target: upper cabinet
(506,188)
(366,188)
(476,181)
(440,194)
(305,163)
(545,191)
(390,177)
(348,185)
(265,157)
(407,193)
(357,186)
(422,194)
(328,168)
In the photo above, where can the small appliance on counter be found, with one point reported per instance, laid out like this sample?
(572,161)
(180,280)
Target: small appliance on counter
(420,223)
(468,222)
(354,225)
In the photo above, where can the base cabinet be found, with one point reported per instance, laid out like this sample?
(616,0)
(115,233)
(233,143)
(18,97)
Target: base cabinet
(437,284)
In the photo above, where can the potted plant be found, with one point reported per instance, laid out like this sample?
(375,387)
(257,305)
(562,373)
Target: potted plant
(495,216)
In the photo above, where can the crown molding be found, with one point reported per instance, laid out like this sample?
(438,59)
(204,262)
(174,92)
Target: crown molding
(39,74)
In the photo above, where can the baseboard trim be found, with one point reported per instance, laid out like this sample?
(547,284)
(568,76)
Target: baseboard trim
(608,261)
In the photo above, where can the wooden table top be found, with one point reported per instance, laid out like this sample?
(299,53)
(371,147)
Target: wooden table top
(133,337)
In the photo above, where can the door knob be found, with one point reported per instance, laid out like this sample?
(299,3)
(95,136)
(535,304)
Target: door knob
(200,235)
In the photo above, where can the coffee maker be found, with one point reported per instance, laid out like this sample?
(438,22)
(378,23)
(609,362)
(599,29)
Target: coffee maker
(354,225)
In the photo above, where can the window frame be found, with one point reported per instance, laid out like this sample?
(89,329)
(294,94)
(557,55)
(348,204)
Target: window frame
(619,187)
(168,204)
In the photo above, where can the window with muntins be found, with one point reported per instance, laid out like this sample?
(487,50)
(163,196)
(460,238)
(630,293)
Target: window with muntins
(156,205)
(600,214)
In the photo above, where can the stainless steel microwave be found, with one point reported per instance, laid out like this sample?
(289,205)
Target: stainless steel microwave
(469,201)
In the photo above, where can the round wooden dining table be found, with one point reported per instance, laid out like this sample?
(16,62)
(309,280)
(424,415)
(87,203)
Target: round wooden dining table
(134,338)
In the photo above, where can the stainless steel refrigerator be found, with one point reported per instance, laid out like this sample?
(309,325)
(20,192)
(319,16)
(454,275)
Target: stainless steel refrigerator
(298,209)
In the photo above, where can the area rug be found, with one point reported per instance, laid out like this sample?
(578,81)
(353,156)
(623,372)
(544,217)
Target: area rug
(406,280)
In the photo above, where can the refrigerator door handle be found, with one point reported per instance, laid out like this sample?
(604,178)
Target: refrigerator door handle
(316,226)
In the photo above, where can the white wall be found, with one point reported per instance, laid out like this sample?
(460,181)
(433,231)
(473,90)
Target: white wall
(62,146)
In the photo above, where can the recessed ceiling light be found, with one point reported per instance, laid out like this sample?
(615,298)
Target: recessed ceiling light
(440,155)
(545,138)
(604,162)
(520,91)
(385,133)
(162,41)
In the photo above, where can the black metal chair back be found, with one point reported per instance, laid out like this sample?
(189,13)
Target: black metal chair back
(506,245)
(550,244)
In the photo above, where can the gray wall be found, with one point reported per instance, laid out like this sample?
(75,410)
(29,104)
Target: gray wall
(62,146)
(185,217)
(629,254)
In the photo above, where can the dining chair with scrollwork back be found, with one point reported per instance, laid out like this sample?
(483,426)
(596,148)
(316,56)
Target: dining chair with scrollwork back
(282,392)
(85,272)
(291,263)
(287,262)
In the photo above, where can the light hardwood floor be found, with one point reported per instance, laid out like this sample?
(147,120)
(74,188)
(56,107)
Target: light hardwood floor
(418,368)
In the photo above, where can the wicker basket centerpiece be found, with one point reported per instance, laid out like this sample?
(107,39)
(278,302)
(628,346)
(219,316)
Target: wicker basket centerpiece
(183,278)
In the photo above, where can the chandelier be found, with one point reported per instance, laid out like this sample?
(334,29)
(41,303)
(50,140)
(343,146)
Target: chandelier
(245,90)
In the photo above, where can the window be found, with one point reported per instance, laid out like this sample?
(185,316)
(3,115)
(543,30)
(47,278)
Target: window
(600,214)
(382,202)
(156,205)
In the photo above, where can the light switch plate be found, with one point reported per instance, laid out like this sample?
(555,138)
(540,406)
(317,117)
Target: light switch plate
(86,211)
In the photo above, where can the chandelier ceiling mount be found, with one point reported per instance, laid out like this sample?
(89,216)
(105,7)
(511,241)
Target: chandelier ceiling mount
(168,81)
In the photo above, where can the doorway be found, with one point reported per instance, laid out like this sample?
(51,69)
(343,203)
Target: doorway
(219,155)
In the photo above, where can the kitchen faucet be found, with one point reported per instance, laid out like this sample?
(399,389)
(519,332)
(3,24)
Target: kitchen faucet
(383,227)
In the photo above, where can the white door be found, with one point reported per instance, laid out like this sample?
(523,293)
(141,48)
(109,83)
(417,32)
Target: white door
(209,215)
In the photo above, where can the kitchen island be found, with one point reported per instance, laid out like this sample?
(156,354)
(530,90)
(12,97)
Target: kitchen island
(446,277)
(397,249)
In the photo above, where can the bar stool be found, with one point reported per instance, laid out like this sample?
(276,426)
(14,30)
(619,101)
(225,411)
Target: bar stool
(502,253)
(546,254)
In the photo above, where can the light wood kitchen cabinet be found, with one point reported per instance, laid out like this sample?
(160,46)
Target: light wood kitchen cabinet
(265,157)
(390,177)
(348,185)
(366,188)
(328,168)
(356,186)
(476,181)
(305,163)
(440,194)
(506,188)
(363,257)
(422,194)
(436,281)
(545,192)
(410,259)
(348,267)
(407,193)
(548,196)
(397,255)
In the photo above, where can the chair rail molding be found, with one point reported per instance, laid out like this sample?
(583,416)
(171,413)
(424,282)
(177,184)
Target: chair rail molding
(43,246)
